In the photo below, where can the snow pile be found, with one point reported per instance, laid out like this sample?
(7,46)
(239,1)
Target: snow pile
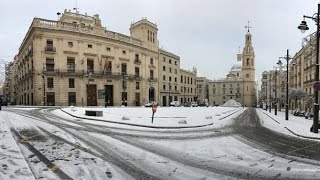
(231,103)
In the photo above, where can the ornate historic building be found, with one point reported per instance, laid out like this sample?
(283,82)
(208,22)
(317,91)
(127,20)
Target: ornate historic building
(240,83)
(77,61)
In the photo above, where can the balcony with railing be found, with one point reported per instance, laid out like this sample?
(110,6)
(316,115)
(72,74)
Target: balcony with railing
(93,73)
(137,61)
(49,49)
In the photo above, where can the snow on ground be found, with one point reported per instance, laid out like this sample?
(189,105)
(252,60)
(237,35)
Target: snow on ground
(12,163)
(298,125)
(73,161)
(164,117)
(231,103)
(234,156)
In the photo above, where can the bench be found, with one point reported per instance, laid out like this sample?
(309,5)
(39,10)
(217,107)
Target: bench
(94,113)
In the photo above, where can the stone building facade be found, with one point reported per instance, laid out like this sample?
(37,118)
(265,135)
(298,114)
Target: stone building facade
(77,61)
(202,90)
(301,78)
(240,83)
(188,85)
(169,77)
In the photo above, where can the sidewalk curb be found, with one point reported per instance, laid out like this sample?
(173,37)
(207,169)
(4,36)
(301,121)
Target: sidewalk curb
(270,117)
(302,136)
(154,127)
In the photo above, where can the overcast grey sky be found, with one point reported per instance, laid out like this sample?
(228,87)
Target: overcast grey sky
(204,33)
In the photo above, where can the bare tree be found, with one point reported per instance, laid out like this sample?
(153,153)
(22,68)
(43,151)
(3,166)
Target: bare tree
(296,94)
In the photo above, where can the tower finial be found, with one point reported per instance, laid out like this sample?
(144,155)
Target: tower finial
(248,27)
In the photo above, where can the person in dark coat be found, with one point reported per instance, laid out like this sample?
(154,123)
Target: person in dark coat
(0,103)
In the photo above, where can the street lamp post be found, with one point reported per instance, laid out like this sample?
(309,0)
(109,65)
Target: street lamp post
(169,91)
(44,90)
(275,92)
(270,101)
(89,75)
(287,58)
(124,87)
(266,95)
(303,27)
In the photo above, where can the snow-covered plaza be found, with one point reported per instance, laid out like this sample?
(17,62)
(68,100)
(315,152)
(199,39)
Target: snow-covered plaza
(180,143)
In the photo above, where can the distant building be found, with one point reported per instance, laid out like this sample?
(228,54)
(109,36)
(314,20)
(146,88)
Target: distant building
(239,83)
(202,90)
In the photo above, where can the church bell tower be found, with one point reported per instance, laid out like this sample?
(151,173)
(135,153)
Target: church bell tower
(248,71)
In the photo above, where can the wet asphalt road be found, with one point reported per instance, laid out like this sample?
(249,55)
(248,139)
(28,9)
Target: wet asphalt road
(248,127)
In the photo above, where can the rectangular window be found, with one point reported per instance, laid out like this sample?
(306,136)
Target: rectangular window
(151,74)
(71,64)
(90,65)
(151,60)
(124,68)
(49,46)
(170,70)
(108,67)
(137,85)
(136,71)
(89,45)
(50,82)
(70,44)
(71,83)
(137,58)
(181,79)
(164,68)
(108,49)
(49,64)
(164,87)
(169,61)
(169,78)
(164,77)
(175,79)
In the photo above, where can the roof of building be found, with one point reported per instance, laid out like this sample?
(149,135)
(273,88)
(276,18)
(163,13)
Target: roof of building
(236,67)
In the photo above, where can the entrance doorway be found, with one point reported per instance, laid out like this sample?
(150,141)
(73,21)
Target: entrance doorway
(151,94)
(164,100)
(137,99)
(91,95)
(109,94)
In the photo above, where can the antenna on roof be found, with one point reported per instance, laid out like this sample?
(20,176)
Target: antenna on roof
(76,8)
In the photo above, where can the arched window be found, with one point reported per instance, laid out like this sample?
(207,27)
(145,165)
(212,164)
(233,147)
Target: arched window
(248,63)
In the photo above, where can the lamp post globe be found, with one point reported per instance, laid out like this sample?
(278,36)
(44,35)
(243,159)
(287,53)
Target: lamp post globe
(303,26)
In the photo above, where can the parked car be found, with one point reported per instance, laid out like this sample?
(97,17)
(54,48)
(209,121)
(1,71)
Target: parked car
(175,103)
(194,104)
(203,105)
(149,104)
(297,112)
(308,115)
(188,104)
